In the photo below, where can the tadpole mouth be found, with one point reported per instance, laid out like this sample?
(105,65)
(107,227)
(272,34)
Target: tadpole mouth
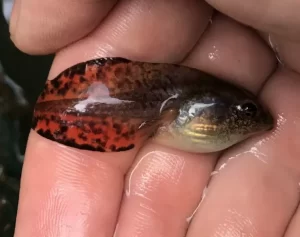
(268,121)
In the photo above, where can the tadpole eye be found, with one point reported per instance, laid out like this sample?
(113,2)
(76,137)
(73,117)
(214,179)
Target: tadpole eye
(249,109)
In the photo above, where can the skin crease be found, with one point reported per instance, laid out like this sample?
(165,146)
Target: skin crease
(253,188)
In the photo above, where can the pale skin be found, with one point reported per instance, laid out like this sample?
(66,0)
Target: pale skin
(251,190)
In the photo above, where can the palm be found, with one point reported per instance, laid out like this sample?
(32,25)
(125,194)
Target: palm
(251,190)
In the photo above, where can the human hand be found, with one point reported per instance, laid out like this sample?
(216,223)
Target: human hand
(253,188)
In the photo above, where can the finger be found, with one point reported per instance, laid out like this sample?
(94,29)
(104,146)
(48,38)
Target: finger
(294,227)
(278,17)
(79,192)
(65,191)
(238,49)
(55,23)
(286,50)
(162,191)
(259,180)
(164,187)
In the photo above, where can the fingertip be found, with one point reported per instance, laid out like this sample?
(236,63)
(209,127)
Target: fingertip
(25,45)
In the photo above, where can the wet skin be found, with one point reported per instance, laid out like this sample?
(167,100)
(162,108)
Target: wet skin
(113,104)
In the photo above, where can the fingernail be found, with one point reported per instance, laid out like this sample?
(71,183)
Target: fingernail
(275,48)
(14,19)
